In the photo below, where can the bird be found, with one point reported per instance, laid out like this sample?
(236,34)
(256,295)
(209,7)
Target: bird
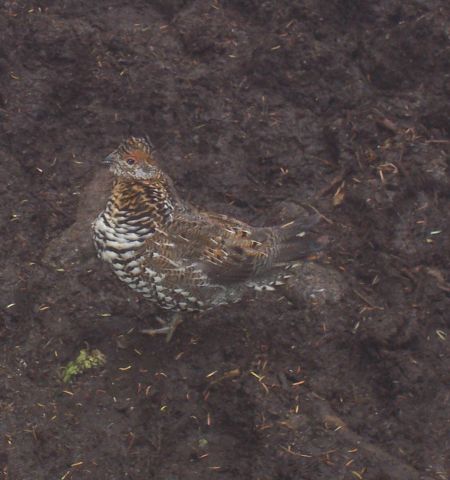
(180,257)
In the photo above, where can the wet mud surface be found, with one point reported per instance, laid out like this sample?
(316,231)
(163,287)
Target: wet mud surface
(264,111)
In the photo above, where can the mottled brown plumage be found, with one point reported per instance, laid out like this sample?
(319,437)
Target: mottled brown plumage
(182,258)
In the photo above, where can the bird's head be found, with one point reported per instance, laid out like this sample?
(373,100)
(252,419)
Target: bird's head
(134,159)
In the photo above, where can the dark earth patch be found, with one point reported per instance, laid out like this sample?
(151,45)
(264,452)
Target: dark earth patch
(259,109)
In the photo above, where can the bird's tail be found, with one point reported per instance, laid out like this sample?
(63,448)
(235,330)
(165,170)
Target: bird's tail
(298,241)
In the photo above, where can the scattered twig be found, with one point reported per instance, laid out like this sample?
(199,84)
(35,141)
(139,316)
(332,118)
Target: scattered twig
(387,124)
(440,280)
(366,300)
(320,214)
(437,141)
(335,181)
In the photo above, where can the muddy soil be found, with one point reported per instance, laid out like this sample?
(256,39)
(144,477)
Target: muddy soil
(264,111)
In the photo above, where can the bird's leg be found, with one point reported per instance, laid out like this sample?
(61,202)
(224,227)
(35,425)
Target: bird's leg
(168,327)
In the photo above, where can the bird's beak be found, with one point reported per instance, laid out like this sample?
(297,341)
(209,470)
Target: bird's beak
(109,159)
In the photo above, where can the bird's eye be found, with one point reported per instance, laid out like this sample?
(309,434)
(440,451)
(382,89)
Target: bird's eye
(131,161)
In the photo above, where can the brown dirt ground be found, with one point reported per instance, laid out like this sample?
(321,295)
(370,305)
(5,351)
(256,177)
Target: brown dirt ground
(258,109)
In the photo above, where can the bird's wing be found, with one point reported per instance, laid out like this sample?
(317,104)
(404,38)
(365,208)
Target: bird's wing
(199,247)
(242,251)
(203,247)
(237,251)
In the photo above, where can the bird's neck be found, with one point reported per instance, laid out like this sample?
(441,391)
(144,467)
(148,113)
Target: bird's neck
(155,198)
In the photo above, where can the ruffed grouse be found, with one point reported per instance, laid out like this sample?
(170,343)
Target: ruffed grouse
(182,258)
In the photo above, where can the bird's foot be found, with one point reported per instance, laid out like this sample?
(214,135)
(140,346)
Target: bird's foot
(168,327)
